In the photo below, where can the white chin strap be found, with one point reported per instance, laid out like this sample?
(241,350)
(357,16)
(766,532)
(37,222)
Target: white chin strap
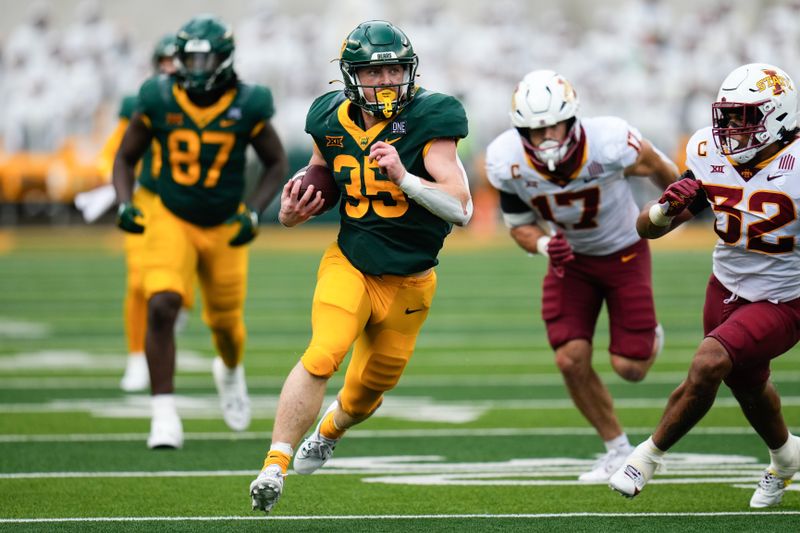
(744,157)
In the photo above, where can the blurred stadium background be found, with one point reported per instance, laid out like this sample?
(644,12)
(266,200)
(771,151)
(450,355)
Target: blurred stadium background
(66,65)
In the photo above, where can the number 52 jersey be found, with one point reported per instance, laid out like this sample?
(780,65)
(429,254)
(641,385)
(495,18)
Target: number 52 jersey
(755,212)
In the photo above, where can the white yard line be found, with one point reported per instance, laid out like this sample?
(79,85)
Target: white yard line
(365,434)
(386,517)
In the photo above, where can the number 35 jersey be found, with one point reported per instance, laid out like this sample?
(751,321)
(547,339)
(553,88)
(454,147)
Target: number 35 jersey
(382,231)
(594,206)
(203,148)
(755,210)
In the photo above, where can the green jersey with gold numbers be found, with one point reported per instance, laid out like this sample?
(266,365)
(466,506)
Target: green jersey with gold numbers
(383,231)
(203,148)
(150,165)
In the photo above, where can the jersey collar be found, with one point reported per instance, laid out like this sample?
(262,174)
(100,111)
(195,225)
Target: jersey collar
(363,138)
(202,116)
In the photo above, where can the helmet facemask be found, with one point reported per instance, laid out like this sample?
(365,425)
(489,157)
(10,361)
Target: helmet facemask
(740,130)
(377,43)
(552,152)
(756,107)
(205,55)
(387,100)
(202,69)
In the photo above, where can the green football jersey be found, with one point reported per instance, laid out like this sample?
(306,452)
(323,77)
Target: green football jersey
(382,231)
(203,148)
(150,164)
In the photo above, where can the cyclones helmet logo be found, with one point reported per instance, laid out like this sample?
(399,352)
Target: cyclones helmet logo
(778,83)
(569,92)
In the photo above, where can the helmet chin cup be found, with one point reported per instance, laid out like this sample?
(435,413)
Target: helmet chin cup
(551,153)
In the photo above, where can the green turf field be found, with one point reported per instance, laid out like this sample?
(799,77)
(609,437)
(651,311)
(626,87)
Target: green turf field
(479,435)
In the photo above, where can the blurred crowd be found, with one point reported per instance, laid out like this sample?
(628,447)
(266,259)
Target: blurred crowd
(652,62)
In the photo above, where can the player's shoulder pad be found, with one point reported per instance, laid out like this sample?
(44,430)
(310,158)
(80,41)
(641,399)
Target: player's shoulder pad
(256,99)
(503,152)
(322,108)
(608,136)
(701,136)
(155,92)
(128,106)
(442,114)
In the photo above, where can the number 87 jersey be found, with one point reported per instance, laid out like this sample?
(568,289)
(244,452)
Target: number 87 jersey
(755,210)
(203,148)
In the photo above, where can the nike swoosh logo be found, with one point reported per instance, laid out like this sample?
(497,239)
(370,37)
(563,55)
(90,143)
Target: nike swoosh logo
(392,141)
(226,123)
(626,258)
(776,176)
(411,311)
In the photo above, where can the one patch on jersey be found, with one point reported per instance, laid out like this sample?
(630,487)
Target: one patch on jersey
(595,169)
(786,162)
(718,169)
(336,141)
(234,113)
(175,119)
(399,127)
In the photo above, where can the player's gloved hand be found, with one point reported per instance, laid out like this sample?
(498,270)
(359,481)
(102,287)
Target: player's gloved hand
(248,219)
(559,251)
(679,195)
(126,218)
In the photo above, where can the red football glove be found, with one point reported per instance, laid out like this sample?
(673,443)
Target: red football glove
(559,251)
(680,194)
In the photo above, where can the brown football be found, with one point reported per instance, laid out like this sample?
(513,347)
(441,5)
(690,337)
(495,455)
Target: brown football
(322,179)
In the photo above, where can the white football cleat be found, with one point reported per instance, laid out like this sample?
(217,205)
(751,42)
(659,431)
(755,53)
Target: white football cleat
(166,430)
(137,374)
(637,469)
(316,449)
(607,464)
(232,389)
(267,488)
(770,490)
(775,480)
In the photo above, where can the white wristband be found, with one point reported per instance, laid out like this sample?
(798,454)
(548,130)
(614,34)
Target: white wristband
(541,245)
(658,218)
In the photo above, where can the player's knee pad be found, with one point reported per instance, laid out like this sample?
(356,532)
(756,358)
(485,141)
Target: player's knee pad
(321,361)
(228,319)
(359,402)
(383,371)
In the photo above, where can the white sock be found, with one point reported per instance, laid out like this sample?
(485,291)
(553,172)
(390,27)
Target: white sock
(283,447)
(163,403)
(650,448)
(785,459)
(136,354)
(620,443)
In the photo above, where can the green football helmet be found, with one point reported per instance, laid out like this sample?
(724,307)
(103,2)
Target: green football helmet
(166,47)
(377,42)
(205,54)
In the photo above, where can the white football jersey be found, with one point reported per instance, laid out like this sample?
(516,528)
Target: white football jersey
(595,209)
(756,256)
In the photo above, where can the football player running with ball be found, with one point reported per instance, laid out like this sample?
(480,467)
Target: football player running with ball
(745,167)
(565,194)
(391,147)
(203,118)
